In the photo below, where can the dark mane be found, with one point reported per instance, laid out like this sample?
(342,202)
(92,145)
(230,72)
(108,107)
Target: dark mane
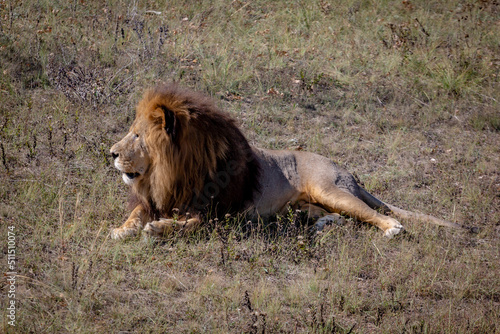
(201,161)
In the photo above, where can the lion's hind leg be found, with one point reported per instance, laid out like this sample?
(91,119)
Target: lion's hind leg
(340,201)
(163,226)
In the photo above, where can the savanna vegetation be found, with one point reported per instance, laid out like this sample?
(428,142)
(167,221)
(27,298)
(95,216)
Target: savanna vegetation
(404,94)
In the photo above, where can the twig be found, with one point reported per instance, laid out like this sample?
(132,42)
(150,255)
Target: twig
(378,250)
(61,220)
(178,281)
(48,287)
(487,97)
(97,236)
(414,98)
(422,27)
(240,9)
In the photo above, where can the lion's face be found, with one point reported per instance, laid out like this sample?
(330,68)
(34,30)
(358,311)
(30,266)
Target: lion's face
(131,154)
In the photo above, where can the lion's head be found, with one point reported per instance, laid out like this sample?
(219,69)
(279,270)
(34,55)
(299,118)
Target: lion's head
(182,152)
(131,155)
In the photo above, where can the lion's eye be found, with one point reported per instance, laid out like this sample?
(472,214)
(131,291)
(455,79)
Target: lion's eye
(136,135)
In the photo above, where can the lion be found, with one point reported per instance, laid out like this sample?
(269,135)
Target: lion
(184,158)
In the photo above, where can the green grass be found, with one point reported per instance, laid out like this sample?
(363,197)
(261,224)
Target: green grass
(403,94)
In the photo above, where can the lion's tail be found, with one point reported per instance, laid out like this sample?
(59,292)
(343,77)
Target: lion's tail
(377,204)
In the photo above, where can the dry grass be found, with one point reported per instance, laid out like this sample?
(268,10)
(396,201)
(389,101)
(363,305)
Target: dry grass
(402,93)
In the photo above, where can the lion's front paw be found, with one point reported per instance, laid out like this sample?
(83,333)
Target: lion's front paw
(123,233)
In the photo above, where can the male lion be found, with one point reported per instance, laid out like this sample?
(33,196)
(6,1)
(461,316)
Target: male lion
(183,154)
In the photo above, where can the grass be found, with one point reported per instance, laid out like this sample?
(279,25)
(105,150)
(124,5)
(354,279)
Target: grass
(404,94)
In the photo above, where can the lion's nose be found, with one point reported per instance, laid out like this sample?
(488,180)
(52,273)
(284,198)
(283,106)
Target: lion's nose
(114,155)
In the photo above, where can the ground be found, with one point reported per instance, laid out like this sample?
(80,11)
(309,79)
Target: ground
(404,94)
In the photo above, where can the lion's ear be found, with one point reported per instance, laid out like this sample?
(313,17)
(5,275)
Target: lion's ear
(167,119)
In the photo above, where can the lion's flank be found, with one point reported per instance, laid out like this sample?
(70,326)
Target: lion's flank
(200,160)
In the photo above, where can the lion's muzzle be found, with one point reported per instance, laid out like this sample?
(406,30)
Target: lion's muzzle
(130,158)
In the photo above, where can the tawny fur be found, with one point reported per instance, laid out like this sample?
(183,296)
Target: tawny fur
(183,153)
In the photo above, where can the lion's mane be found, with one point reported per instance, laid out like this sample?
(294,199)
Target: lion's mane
(200,160)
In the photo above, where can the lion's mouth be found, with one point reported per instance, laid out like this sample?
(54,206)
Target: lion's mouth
(132,175)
